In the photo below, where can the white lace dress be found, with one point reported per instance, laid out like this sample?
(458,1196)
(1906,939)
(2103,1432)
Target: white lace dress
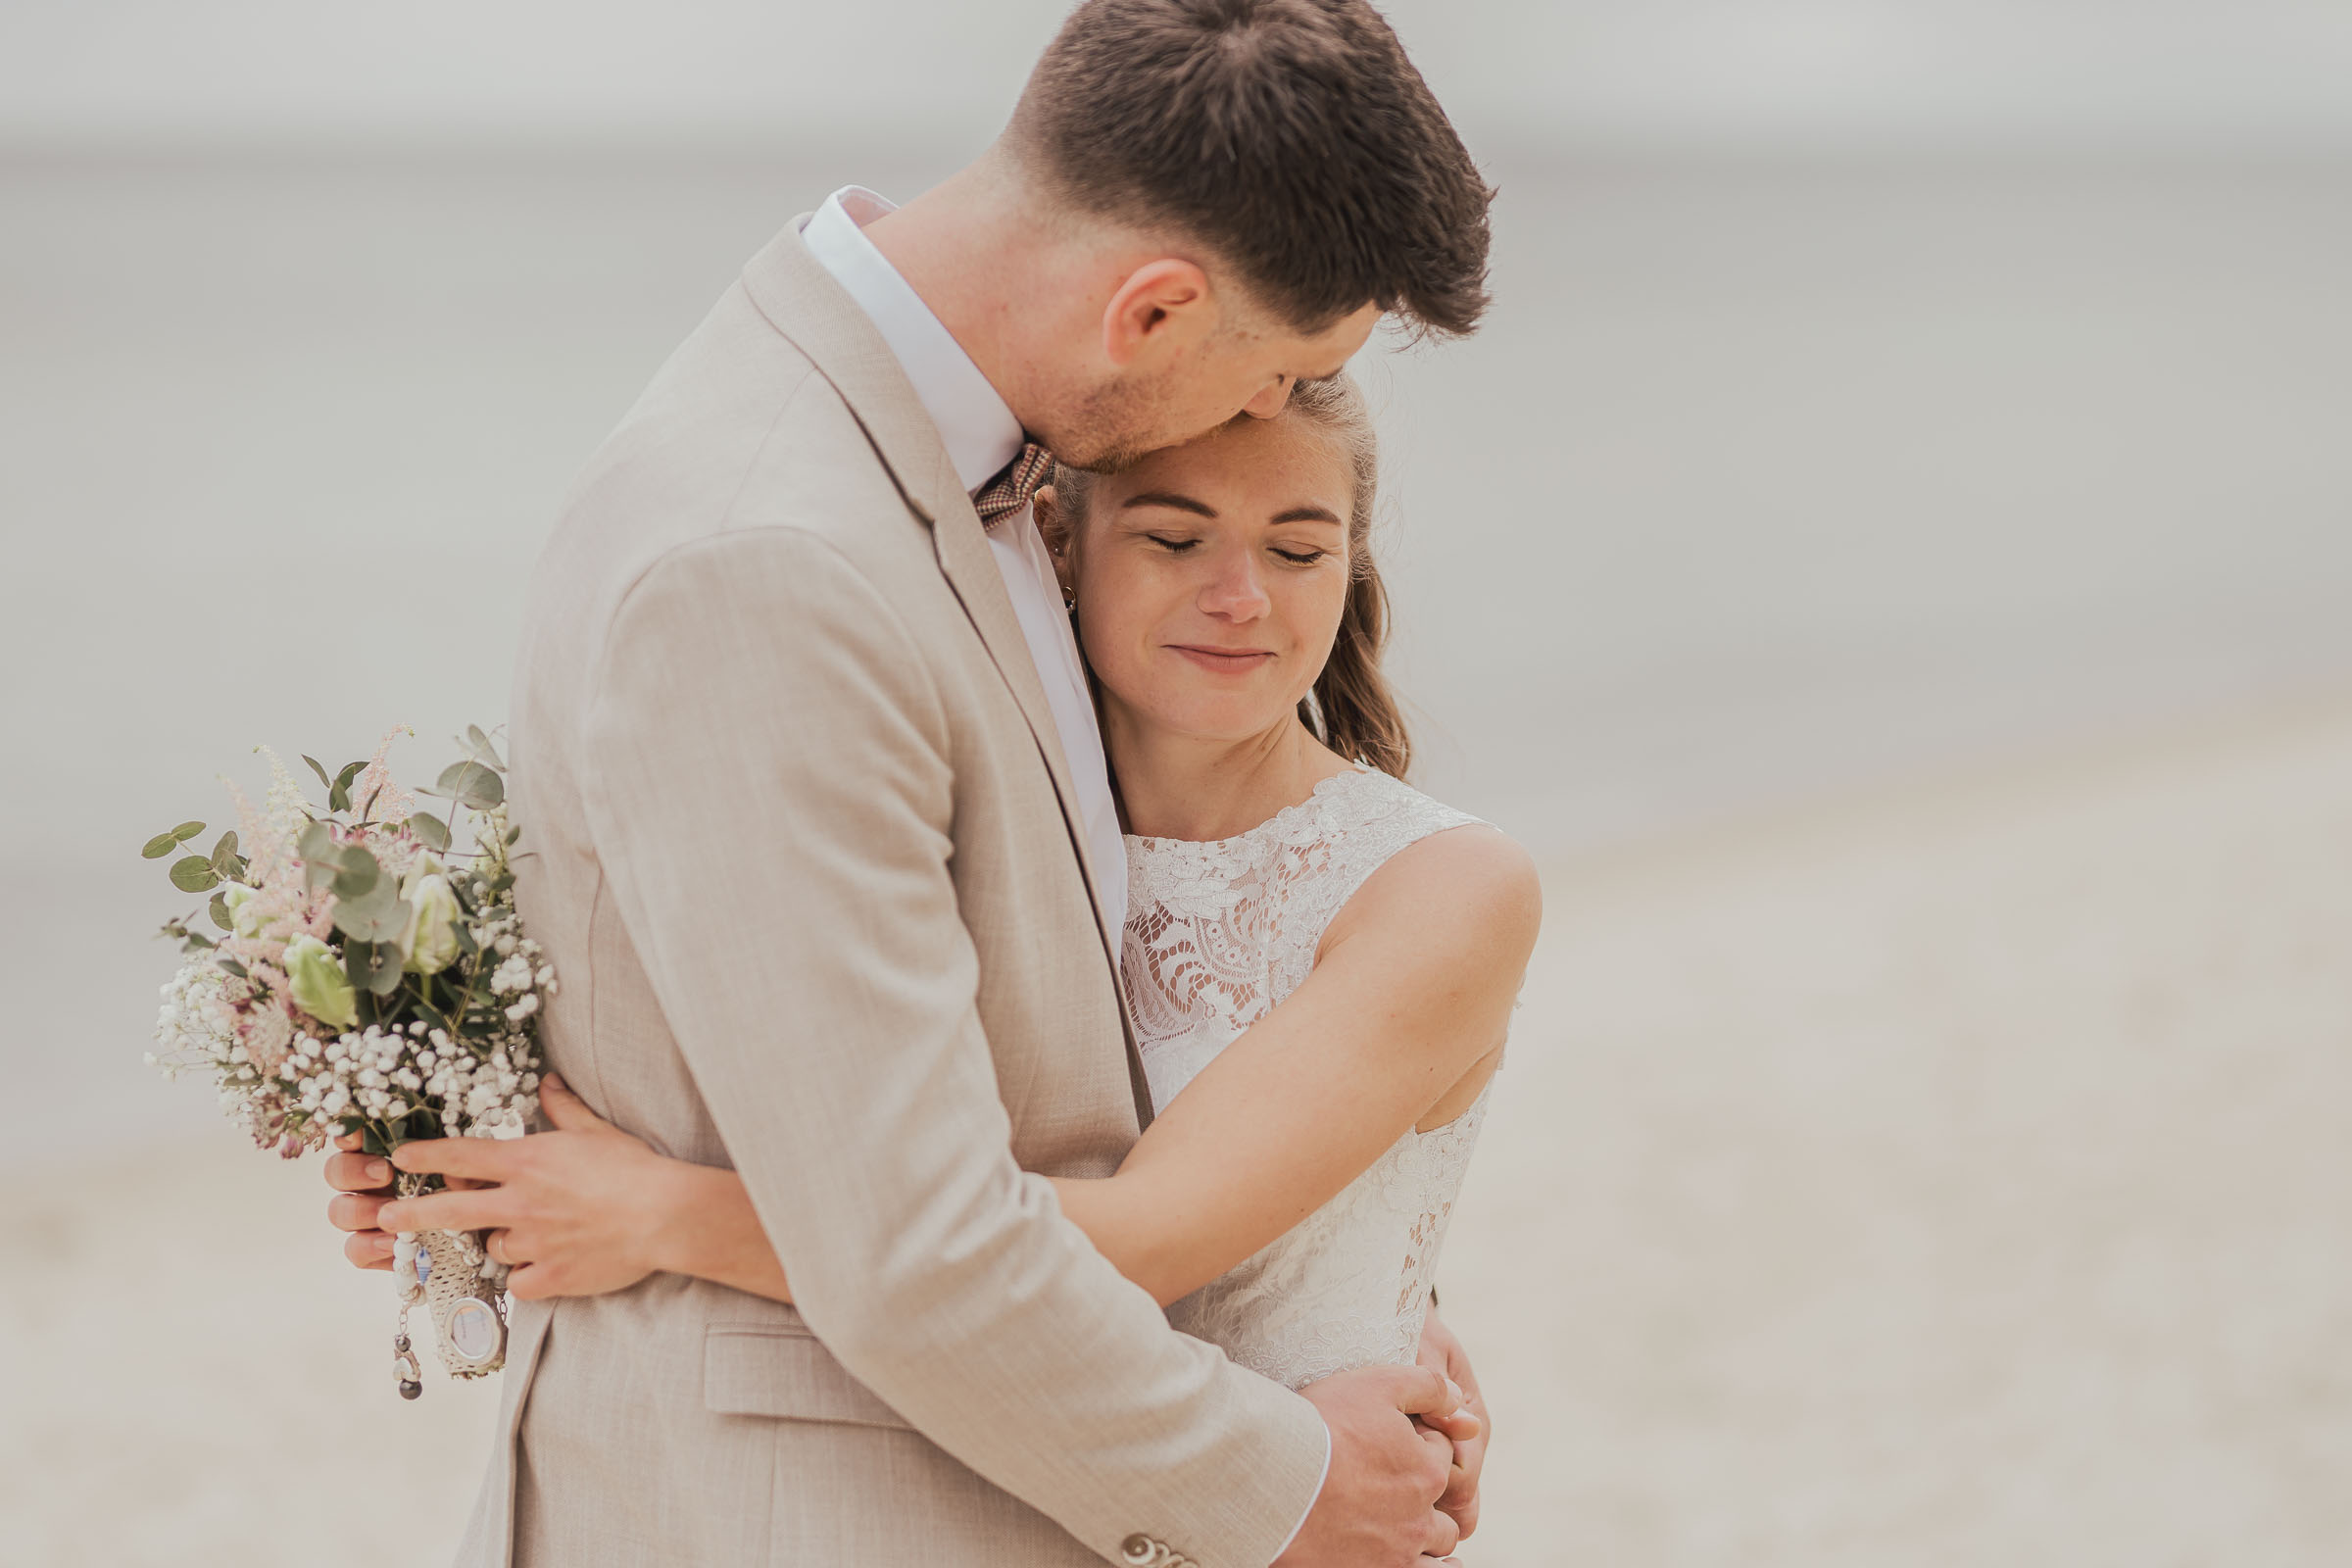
(1218,935)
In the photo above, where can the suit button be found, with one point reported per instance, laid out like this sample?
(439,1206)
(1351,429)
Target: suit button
(1141,1550)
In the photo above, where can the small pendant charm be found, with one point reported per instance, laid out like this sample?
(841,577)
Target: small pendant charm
(410,1376)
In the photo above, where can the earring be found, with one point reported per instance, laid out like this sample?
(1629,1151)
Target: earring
(1070,597)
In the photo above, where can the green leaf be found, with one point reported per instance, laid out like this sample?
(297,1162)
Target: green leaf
(194,874)
(320,771)
(161,845)
(378,918)
(479,745)
(186,831)
(220,914)
(430,830)
(471,784)
(233,967)
(195,942)
(359,875)
(513,834)
(351,870)
(432,1017)
(373,966)
(338,794)
(224,854)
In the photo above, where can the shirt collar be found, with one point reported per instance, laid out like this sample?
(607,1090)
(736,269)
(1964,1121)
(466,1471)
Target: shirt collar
(981,434)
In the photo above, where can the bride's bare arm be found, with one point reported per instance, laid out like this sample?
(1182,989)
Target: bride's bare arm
(1399,1027)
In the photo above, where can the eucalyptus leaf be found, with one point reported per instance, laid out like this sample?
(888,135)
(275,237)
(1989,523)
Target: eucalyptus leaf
(373,966)
(186,831)
(320,771)
(338,794)
(161,845)
(224,854)
(321,855)
(430,830)
(219,910)
(371,919)
(479,745)
(232,966)
(359,874)
(197,943)
(194,874)
(472,785)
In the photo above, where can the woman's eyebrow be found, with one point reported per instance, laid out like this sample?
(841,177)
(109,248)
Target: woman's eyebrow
(1307,514)
(1171,500)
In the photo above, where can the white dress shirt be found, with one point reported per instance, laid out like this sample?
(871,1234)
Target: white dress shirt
(981,436)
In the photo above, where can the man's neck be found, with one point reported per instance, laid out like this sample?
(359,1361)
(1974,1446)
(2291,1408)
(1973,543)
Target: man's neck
(973,250)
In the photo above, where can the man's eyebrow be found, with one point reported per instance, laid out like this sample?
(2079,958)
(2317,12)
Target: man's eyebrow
(1307,514)
(1171,500)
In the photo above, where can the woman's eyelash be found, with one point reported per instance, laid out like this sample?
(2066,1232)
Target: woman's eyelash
(1173,546)
(1302,558)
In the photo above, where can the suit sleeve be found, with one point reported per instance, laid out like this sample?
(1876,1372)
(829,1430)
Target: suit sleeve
(772,801)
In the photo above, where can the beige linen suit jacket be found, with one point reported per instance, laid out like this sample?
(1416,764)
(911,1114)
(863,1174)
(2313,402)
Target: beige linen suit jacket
(801,843)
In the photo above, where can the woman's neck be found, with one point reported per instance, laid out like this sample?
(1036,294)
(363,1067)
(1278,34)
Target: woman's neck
(1174,786)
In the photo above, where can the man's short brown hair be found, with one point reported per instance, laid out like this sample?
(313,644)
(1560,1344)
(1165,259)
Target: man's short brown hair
(1292,138)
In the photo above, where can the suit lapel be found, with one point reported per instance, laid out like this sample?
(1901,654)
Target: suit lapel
(801,300)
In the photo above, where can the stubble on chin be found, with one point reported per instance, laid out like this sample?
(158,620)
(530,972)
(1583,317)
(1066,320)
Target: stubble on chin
(1115,427)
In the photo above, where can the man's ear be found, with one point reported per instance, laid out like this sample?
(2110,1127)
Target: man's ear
(1161,303)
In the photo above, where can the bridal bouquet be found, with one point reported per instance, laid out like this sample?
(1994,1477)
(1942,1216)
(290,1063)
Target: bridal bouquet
(364,974)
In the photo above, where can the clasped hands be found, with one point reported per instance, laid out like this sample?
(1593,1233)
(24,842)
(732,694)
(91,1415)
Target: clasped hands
(587,1208)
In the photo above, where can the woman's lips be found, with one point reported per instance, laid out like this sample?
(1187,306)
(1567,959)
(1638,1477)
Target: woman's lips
(1223,661)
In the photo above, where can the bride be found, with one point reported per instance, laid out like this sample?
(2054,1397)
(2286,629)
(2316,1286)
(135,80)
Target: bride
(1321,960)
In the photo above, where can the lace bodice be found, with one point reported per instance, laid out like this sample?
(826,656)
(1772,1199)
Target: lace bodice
(1219,934)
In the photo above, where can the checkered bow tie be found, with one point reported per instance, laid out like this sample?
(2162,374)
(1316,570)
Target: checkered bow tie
(1010,491)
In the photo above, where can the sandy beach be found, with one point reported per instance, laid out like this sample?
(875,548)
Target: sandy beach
(1954,1175)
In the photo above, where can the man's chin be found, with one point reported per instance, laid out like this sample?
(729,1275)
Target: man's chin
(1105,460)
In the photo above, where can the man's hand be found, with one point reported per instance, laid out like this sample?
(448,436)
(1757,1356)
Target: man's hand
(1378,1508)
(1444,1354)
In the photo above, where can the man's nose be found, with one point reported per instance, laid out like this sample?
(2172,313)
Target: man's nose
(1271,398)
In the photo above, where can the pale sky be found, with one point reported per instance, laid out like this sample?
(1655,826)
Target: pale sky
(1836,73)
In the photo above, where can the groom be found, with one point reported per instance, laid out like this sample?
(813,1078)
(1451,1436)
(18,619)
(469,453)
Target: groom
(826,854)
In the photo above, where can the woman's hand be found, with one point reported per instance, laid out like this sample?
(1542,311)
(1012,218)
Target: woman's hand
(580,1211)
(1444,1354)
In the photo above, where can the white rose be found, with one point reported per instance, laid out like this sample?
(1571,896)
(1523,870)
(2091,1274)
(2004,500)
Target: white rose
(429,944)
(234,895)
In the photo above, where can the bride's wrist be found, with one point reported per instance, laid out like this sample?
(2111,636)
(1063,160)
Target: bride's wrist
(675,1197)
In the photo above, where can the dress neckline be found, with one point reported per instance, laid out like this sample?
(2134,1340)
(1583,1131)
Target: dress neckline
(1279,820)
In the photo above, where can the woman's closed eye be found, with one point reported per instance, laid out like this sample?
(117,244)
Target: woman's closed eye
(1173,545)
(1302,557)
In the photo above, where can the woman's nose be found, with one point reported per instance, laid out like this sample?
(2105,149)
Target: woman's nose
(1235,593)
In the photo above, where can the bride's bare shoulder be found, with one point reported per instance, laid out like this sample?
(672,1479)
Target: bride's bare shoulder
(1470,889)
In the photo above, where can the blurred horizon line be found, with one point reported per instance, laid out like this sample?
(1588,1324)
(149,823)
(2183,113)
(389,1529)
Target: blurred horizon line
(949,145)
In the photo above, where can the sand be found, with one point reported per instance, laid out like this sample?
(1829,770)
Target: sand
(1954,1176)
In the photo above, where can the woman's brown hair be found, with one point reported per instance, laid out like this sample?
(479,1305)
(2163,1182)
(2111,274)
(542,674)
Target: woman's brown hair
(1351,709)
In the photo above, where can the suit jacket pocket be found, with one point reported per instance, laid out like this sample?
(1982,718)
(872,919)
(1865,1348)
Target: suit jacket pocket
(786,1373)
